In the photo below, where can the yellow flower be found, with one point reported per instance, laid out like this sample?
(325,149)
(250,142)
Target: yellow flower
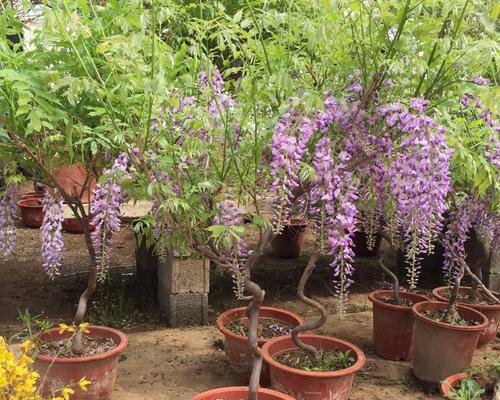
(66,392)
(83,327)
(63,328)
(84,383)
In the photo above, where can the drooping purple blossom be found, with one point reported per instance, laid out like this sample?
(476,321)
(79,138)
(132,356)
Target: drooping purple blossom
(106,209)
(8,208)
(479,80)
(51,234)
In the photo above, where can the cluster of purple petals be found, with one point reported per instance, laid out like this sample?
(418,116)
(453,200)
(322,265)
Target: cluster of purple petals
(479,80)
(420,181)
(51,234)
(492,152)
(289,142)
(8,210)
(220,101)
(105,207)
(279,330)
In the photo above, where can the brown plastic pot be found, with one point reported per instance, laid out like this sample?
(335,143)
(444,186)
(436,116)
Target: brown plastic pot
(239,393)
(310,385)
(443,349)
(360,240)
(100,369)
(72,225)
(31,212)
(289,242)
(236,346)
(451,383)
(491,311)
(393,325)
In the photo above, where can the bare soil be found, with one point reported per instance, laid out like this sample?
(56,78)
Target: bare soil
(174,364)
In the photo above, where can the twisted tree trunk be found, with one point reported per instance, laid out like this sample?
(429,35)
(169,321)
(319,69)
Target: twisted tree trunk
(307,326)
(380,262)
(451,313)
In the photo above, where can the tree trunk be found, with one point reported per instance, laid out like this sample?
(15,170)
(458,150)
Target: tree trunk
(451,313)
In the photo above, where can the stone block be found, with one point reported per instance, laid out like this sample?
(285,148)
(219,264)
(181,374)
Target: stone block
(185,309)
(177,275)
(493,282)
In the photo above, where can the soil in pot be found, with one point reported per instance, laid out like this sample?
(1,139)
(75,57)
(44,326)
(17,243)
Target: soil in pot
(312,384)
(443,349)
(239,393)
(31,212)
(483,304)
(232,324)
(289,242)
(393,324)
(100,368)
(329,360)
(92,345)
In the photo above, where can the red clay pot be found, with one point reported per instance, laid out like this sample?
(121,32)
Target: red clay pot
(236,346)
(100,369)
(31,195)
(452,382)
(72,225)
(491,311)
(289,242)
(360,240)
(443,349)
(239,393)
(393,325)
(73,179)
(31,212)
(309,385)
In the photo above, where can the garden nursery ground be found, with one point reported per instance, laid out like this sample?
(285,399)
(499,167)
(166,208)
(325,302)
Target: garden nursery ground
(170,364)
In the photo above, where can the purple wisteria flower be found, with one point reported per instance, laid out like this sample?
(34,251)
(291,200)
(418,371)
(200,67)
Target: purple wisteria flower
(106,209)
(479,80)
(51,234)
(8,208)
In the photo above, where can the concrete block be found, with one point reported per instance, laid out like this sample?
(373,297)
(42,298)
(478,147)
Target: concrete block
(185,309)
(177,275)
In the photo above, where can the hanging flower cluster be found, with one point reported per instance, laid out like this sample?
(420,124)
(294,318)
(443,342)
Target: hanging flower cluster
(51,234)
(8,209)
(105,208)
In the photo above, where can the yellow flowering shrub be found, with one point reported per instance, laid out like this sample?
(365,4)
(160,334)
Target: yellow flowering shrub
(19,382)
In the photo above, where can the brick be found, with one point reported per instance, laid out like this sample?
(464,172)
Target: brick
(177,275)
(185,309)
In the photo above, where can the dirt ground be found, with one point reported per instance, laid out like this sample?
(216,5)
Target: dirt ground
(172,364)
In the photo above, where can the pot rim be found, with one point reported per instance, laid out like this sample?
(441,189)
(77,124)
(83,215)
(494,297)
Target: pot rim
(493,307)
(21,202)
(445,325)
(360,358)
(243,389)
(447,385)
(374,298)
(219,322)
(73,360)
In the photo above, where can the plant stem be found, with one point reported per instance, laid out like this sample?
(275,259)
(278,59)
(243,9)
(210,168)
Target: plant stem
(451,313)
(392,275)
(311,266)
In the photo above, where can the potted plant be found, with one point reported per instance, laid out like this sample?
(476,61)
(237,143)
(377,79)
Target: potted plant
(288,243)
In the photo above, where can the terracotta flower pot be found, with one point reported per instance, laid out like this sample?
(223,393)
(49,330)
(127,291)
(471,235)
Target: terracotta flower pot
(491,311)
(443,349)
(72,225)
(310,385)
(361,249)
(236,346)
(73,179)
(452,382)
(31,212)
(31,195)
(239,393)
(100,369)
(393,325)
(289,242)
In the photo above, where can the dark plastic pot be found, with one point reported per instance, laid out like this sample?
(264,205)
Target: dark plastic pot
(451,383)
(443,349)
(289,242)
(393,325)
(31,212)
(239,393)
(310,385)
(100,369)
(491,311)
(72,225)
(360,240)
(236,346)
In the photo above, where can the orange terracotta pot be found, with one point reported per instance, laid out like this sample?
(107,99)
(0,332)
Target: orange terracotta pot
(310,385)
(239,393)
(393,325)
(443,349)
(73,179)
(452,382)
(31,212)
(100,369)
(71,225)
(492,312)
(236,346)
(288,244)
